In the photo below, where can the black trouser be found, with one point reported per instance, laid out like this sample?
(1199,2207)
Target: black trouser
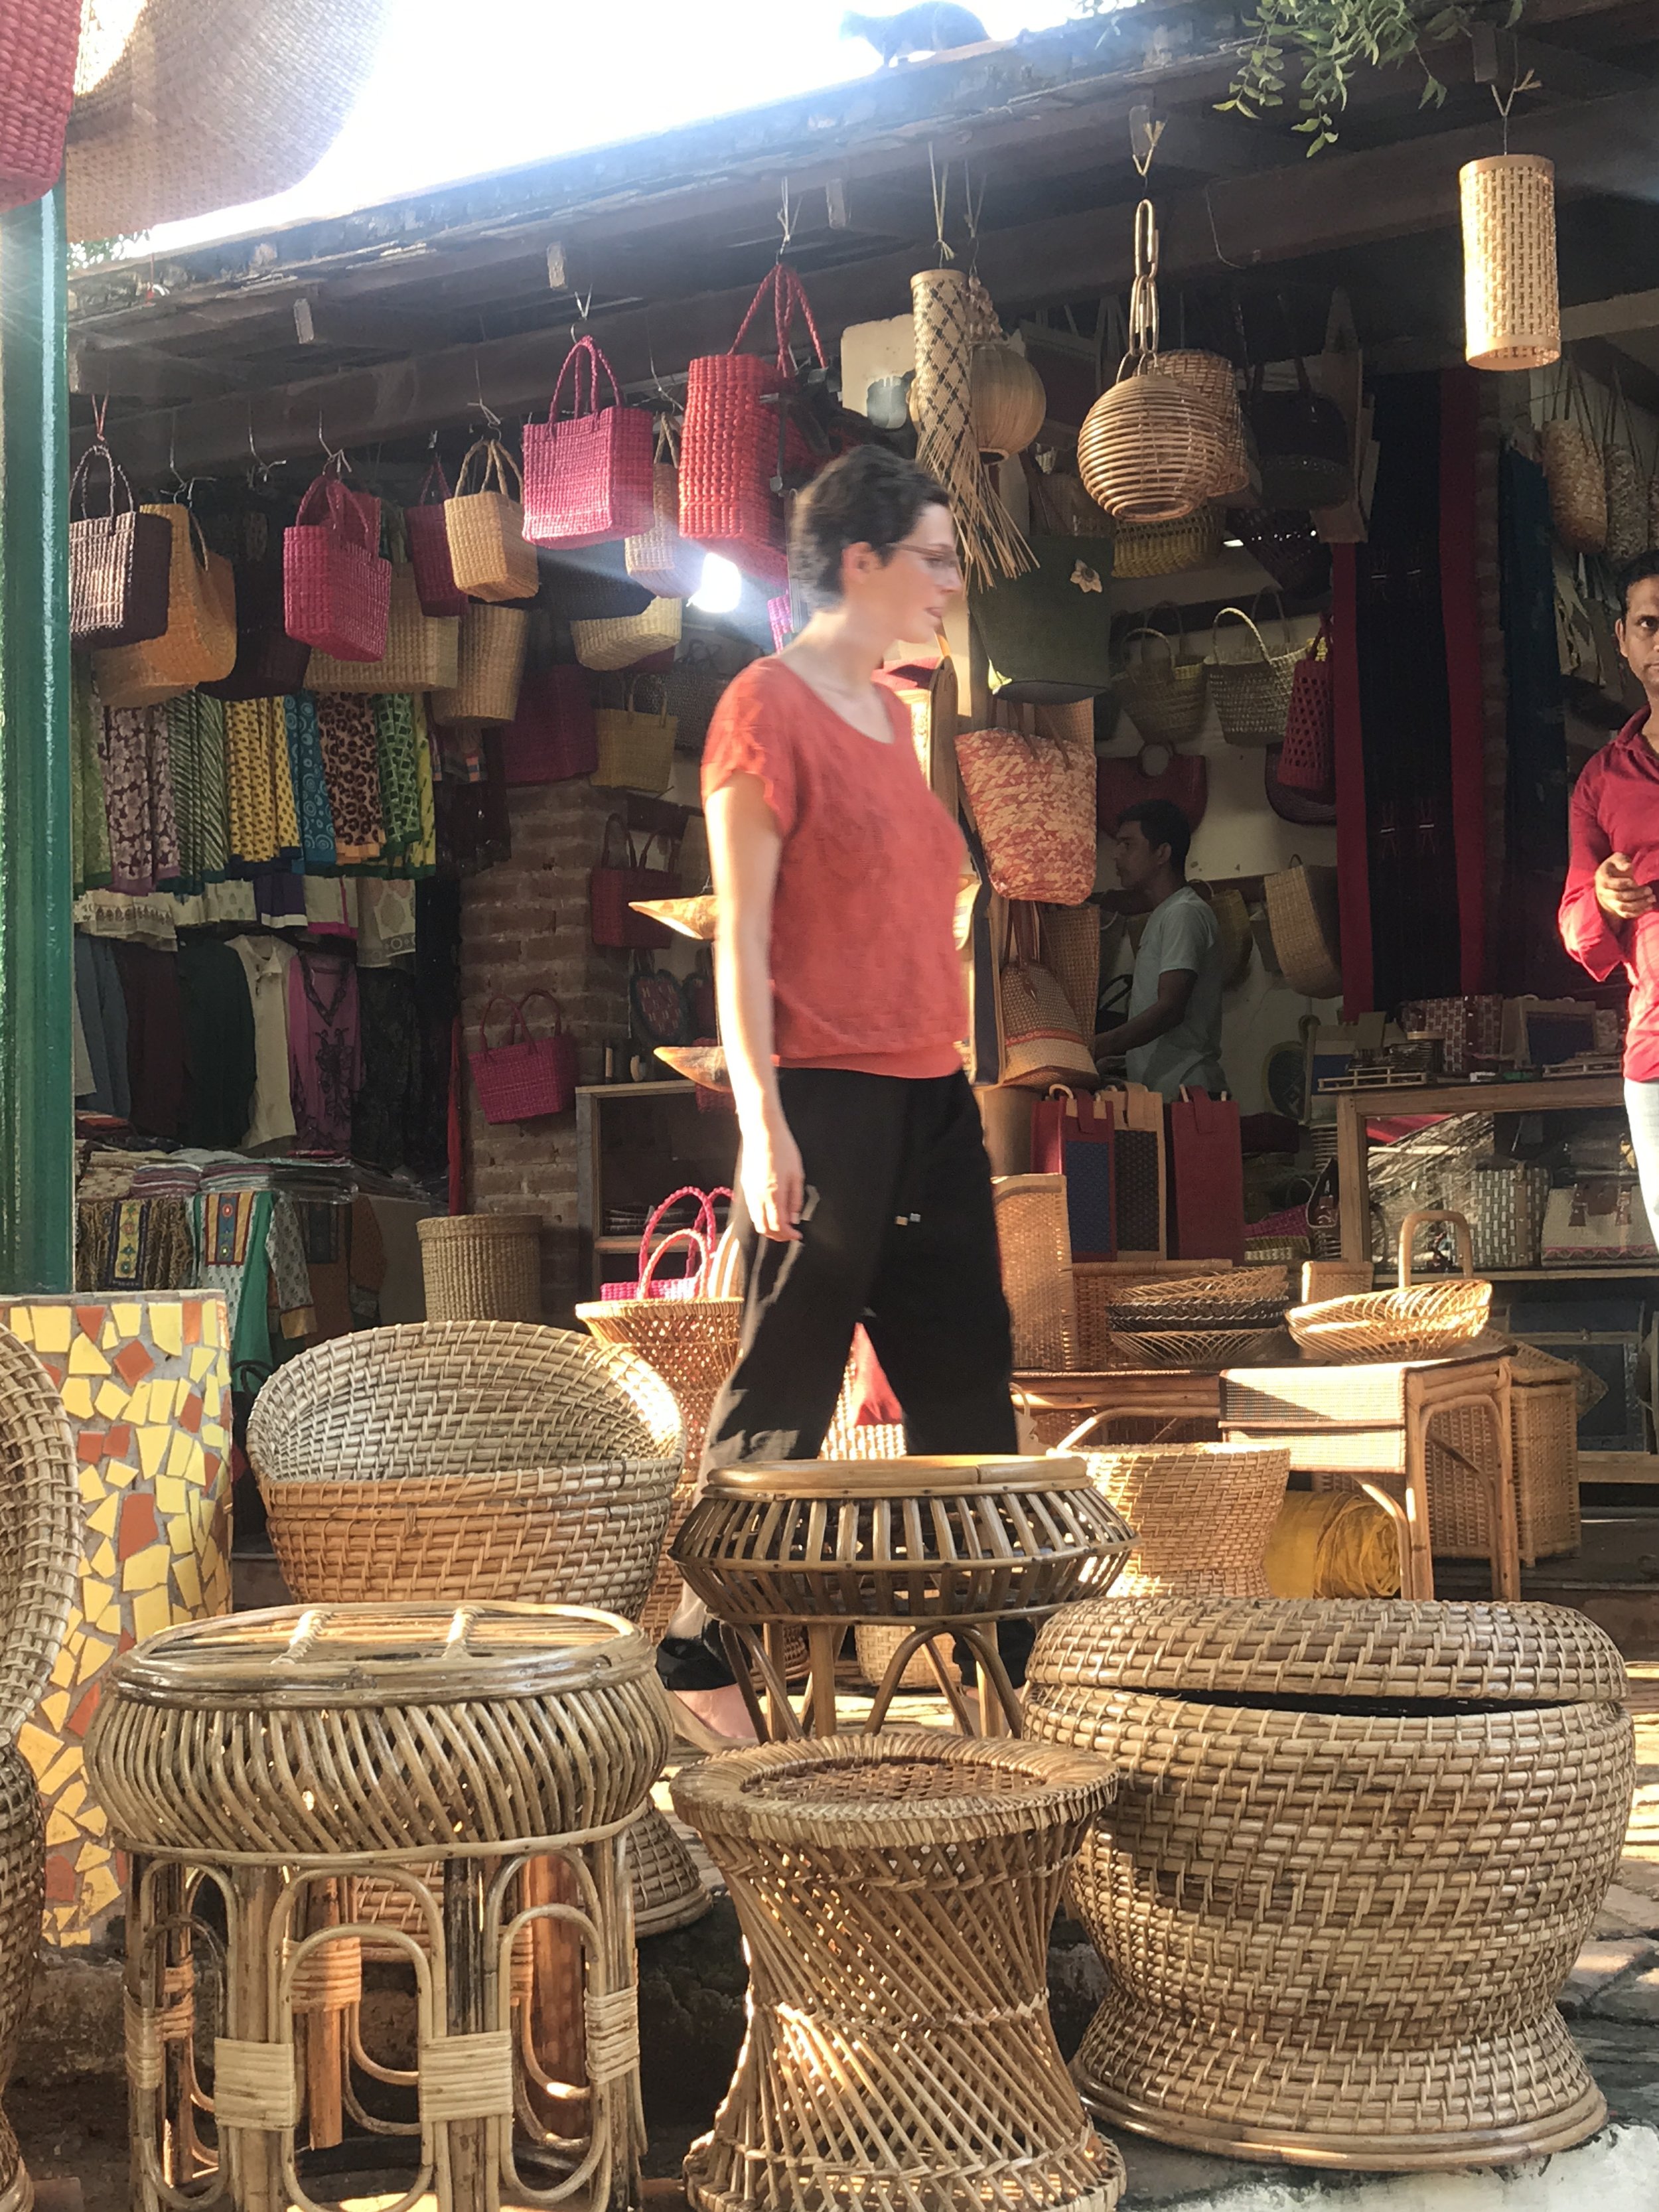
(898,1232)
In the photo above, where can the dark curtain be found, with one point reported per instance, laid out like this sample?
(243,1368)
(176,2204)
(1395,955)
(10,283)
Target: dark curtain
(1530,956)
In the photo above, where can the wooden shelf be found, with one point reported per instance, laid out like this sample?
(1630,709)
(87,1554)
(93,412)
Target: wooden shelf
(1621,1271)
(1618,1466)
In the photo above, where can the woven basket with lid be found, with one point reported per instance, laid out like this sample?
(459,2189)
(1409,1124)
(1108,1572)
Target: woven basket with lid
(1356,1849)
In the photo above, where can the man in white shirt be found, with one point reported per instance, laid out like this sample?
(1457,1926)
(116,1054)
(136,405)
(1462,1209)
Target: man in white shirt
(1172,1037)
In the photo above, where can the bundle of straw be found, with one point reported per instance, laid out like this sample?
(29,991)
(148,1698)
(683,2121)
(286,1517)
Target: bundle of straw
(949,319)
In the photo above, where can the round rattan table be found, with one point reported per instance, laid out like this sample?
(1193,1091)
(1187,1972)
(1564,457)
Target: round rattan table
(290,1760)
(895,1894)
(944,1548)
(1356,1847)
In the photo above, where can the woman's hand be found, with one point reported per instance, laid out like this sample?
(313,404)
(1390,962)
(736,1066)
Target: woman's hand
(1616,891)
(772,1179)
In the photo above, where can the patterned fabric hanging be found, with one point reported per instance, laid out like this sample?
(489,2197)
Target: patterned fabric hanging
(350,747)
(305,760)
(400,797)
(144,835)
(423,859)
(201,794)
(88,824)
(263,824)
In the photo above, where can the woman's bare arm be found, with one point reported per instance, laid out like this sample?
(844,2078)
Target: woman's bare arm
(744,846)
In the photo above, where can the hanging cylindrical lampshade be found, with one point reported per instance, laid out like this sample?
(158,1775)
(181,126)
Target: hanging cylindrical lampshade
(1511,306)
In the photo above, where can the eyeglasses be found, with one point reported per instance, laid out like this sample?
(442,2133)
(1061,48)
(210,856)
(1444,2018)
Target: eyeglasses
(942,564)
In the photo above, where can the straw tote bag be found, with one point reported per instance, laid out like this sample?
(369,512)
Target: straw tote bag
(1164,696)
(735,448)
(527,1076)
(485,523)
(1163,549)
(422,651)
(1303,916)
(588,478)
(614,885)
(428,547)
(623,640)
(1574,474)
(635,747)
(199,643)
(1252,696)
(119,561)
(1042,1040)
(489,666)
(553,736)
(1033,799)
(337,589)
(659,558)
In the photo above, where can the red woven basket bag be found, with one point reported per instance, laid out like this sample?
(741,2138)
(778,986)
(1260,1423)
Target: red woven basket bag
(528,1075)
(611,919)
(735,449)
(336,590)
(428,548)
(589,478)
(39,42)
(1308,762)
(553,736)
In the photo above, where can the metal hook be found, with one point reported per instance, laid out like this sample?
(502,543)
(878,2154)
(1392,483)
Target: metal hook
(786,221)
(260,472)
(100,409)
(579,328)
(491,416)
(663,392)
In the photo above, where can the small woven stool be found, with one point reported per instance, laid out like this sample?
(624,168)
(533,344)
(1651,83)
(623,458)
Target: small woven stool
(482,1267)
(481,1763)
(895,1893)
(943,1547)
(1356,1847)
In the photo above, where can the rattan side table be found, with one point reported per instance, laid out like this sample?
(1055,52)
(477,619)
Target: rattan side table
(446,1756)
(895,1893)
(1356,1846)
(943,1547)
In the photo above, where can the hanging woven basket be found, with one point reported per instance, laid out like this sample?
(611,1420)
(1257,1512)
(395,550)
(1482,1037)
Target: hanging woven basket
(1210,377)
(1511,306)
(1150,450)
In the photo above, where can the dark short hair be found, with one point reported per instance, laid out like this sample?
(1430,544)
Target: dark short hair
(1636,572)
(870,496)
(1162,823)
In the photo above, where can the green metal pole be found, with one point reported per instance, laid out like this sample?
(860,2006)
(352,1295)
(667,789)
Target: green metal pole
(37,1106)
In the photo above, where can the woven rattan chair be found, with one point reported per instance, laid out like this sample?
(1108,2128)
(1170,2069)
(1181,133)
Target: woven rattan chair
(896,1893)
(484,1461)
(39,1531)
(1356,1848)
(484,1763)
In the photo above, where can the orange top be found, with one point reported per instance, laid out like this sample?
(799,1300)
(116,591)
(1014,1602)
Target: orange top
(865,969)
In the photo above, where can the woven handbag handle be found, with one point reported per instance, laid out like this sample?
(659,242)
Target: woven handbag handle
(726,1269)
(501,998)
(1147,629)
(787,293)
(1269,591)
(1215,632)
(497,463)
(686,1190)
(99,451)
(542,992)
(667,446)
(631,859)
(632,685)
(696,1240)
(435,468)
(345,513)
(587,352)
(1413,1222)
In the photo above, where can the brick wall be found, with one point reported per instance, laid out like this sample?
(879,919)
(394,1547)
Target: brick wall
(524,923)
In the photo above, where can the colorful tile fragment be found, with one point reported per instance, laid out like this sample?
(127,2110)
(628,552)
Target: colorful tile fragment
(145,1382)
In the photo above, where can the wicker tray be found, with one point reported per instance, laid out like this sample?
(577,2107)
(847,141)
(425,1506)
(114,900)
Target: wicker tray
(1241,1297)
(1186,1347)
(1430,1321)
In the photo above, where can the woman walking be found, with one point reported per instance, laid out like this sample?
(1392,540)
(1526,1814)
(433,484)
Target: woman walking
(864,1192)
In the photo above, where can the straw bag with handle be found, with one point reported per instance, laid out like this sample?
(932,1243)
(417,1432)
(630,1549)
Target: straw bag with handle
(623,640)
(658,558)
(635,747)
(587,479)
(489,555)
(120,560)
(1303,439)
(270,664)
(701,1239)
(336,588)
(1043,1042)
(1574,473)
(1033,806)
(528,1077)
(428,546)
(1164,695)
(489,666)
(1163,549)
(1252,695)
(199,645)
(1303,916)
(422,651)
(616,887)
(735,448)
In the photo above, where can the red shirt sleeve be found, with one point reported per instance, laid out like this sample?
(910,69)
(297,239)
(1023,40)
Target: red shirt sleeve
(1594,940)
(751,733)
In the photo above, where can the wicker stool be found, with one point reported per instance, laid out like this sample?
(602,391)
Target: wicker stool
(943,1547)
(474,1758)
(1357,1845)
(1203,1515)
(409,1464)
(482,1267)
(895,1893)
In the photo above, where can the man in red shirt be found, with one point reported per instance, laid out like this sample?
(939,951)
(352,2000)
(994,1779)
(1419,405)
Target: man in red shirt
(1608,918)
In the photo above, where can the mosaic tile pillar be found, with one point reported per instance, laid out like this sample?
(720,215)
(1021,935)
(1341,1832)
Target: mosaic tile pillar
(145,1381)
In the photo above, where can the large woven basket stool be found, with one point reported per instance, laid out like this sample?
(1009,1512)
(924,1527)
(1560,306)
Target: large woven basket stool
(1356,1847)
(1371,1422)
(287,1758)
(1203,1515)
(943,1547)
(482,1267)
(481,1461)
(40,1522)
(895,1894)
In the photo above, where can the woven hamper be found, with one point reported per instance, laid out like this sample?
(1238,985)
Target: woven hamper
(482,1267)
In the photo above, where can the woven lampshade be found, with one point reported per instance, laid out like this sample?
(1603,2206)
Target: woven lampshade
(1511,307)
(204,104)
(1008,401)
(1151,449)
